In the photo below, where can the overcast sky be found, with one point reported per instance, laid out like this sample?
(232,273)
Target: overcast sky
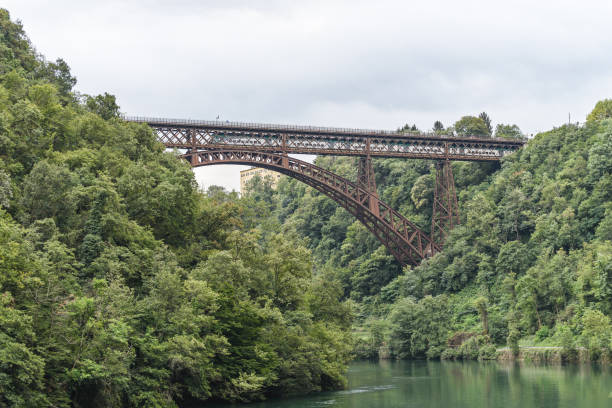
(369,64)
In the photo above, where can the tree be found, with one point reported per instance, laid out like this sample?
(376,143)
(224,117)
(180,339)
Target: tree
(482,305)
(487,120)
(593,282)
(602,110)
(438,126)
(289,271)
(508,132)
(46,193)
(373,274)
(6,192)
(419,327)
(421,192)
(596,332)
(63,78)
(471,126)
(103,105)
(17,43)
(22,370)
(407,128)
(528,303)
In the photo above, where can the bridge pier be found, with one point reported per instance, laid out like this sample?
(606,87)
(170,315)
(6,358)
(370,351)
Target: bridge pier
(193,150)
(367,180)
(445,207)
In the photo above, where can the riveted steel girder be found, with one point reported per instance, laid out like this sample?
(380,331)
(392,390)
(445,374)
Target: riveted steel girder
(402,238)
(445,214)
(185,134)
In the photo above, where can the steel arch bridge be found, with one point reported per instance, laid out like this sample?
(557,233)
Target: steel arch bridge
(212,142)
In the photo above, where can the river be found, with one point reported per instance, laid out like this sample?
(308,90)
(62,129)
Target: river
(433,384)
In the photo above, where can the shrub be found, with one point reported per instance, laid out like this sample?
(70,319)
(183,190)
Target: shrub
(487,352)
(596,333)
(434,352)
(513,337)
(469,349)
(543,333)
(566,339)
(449,354)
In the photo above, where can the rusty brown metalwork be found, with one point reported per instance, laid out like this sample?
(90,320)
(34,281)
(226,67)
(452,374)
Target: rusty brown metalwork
(367,180)
(445,214)
(263,145)
(185,134)
(404,240)
(365,174)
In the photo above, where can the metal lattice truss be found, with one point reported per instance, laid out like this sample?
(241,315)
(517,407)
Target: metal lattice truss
(402,238)
(184,134)
(365,175)
(264,145)
(445,214)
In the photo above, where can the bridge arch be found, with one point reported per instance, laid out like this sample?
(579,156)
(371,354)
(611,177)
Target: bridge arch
(403,239)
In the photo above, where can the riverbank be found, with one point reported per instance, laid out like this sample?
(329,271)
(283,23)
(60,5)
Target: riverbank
(551,354)
(535,354)
(458,384)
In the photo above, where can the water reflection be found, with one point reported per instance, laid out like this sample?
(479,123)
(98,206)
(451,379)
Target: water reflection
(429,384)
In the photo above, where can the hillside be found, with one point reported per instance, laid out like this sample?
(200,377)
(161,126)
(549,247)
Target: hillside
(531,261)
(123,285)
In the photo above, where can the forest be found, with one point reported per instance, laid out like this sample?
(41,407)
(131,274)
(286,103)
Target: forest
(529,265)
(123,284)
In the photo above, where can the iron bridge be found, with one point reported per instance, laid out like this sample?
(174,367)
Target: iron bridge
(268,146)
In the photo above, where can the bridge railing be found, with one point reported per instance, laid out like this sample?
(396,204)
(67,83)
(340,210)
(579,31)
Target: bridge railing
(295,128)
(270,126)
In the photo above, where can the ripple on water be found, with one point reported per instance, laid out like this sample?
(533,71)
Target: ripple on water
(366,389)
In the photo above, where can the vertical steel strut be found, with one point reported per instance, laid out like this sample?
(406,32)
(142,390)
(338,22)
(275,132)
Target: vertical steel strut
(445,208)
(367,180)
(365,174)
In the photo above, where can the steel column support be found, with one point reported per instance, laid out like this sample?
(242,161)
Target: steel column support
(191,154)
(284,150)
(445,207)
(367,180)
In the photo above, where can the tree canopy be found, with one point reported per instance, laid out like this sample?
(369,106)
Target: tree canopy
(508,132)
(602,110)
(121,283)
(530,258)
(472,126)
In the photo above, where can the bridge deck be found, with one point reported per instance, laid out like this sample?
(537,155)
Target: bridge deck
(199,135)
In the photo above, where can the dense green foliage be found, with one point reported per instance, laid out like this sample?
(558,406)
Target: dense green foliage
(508,132)
(123,285)
(474,126)
(531,262)
(602,110)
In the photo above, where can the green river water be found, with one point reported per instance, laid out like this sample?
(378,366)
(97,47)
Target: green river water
(429,384)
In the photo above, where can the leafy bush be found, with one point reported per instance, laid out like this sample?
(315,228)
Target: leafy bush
(543,333)
(450,353)
(487,352)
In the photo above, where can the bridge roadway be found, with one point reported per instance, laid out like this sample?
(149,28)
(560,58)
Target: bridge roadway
(216,135)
